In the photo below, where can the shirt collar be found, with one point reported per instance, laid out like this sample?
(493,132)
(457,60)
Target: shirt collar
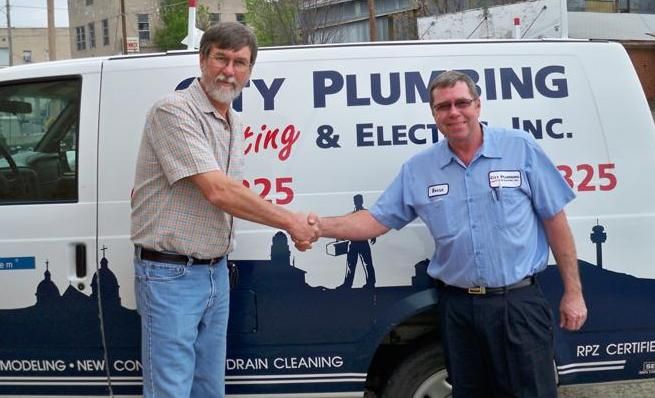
(490,148)
(200,97)
(490,145)
(444,154)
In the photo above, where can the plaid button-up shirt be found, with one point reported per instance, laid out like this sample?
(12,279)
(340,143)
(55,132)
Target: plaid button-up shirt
(184,135)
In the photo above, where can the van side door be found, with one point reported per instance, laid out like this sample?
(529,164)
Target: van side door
(50,341)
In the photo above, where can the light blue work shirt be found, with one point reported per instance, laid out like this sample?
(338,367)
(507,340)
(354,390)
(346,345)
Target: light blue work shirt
(485,218)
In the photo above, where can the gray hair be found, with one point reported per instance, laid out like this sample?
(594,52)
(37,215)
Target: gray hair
(449,79)
(230,36)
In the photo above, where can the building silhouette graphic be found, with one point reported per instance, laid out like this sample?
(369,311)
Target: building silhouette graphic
(71,318)
(270,303)
(47,293)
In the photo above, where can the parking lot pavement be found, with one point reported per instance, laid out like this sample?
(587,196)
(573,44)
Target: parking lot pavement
(642,389)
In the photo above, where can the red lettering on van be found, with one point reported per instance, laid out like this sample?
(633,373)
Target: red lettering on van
(586,178)
(271,138)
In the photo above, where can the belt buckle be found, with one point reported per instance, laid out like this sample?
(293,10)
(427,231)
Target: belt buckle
(477,290)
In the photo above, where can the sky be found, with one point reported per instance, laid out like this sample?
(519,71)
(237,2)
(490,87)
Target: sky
(33,13)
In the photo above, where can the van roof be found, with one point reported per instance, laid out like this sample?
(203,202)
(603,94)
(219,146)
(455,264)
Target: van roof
(80,65)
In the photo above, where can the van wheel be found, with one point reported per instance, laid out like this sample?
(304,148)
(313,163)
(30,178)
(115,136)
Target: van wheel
(421,375)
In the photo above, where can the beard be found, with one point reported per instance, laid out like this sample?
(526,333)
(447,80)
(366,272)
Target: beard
(223,94)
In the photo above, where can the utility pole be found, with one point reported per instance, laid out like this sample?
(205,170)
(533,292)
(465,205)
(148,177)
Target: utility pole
(11,52)
(564,19)
(124,26)
(372,29)
(52,32)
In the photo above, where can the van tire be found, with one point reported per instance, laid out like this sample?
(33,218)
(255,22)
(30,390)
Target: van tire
(421,375)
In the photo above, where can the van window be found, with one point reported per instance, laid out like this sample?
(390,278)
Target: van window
(38,141)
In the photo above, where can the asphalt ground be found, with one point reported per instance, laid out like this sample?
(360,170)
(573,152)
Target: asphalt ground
(641,389)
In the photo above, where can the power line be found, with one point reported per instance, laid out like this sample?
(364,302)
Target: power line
(149,11)
(37,7)
(22,35)
(153,9)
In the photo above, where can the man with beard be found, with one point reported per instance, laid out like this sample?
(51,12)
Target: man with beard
(187,190)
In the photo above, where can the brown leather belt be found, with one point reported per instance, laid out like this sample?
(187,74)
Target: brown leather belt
(482,290)
(173,258)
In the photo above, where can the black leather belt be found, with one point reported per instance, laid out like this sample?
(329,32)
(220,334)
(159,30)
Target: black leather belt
(173,258)
(482,290)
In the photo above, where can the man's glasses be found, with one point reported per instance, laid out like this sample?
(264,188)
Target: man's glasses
(239,64)
(460,104)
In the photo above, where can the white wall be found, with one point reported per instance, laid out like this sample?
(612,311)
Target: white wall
(538,19)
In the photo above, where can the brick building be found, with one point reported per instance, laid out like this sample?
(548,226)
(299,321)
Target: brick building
(31,45)
(96,25)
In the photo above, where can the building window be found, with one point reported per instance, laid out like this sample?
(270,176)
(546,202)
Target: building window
(143,26)
(27,56)
(241,18)
(214,18)
(80,38)
(92,35)
(105,32)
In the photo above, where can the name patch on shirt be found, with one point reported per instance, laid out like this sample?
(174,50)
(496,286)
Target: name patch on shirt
(437,190)
(505,179)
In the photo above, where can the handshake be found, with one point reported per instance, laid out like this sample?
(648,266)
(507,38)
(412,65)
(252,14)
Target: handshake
(305,230)
(359,225)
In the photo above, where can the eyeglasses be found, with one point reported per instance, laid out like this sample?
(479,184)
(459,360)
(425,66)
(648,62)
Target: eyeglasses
(460,104)
(239,64)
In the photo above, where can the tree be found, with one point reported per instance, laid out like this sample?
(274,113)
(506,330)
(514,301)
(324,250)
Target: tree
(173,29)
(274,21)
(291,22)
(319,21)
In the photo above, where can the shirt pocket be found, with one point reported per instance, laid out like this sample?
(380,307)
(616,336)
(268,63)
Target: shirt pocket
(437,215)
(509,206)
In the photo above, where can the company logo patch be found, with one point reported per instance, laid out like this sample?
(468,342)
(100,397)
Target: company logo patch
(437,190)
(504,179)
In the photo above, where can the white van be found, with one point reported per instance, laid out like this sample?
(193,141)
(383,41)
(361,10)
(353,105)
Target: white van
(324,125)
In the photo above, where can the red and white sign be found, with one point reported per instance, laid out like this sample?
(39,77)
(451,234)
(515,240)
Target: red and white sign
(132,45)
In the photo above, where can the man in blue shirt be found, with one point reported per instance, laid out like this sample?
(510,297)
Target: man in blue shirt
(493,203)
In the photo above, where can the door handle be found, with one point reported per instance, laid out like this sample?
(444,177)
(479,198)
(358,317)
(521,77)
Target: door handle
(80,260)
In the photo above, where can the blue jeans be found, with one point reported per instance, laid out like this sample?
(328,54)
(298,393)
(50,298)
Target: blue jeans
(184,312)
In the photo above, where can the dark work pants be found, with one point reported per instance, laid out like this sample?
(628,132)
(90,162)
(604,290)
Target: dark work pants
(498,345)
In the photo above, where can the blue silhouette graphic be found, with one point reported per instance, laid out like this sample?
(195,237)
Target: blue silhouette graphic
(359,250)
(598,236)
(276,314)
(60,336)
(604,349)
(47,293)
